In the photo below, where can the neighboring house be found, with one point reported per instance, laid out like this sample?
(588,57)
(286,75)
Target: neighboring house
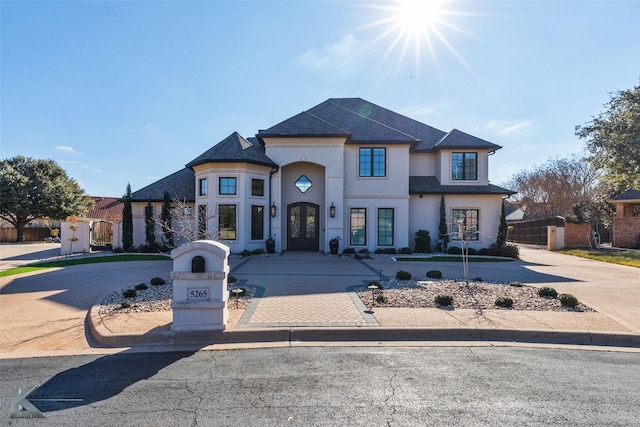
(513,213)
(626,223)
(346,168)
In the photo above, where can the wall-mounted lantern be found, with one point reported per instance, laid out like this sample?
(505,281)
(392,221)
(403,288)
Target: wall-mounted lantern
(332,210)
(273,210)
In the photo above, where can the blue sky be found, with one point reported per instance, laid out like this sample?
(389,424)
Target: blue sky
(124,92)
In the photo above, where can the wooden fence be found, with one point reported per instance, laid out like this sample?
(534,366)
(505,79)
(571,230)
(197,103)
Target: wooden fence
(533,231)
(31,234)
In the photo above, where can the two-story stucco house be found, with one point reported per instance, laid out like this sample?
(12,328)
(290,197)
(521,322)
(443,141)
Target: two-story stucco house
(345,168)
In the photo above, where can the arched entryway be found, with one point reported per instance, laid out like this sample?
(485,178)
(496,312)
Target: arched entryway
(302,227)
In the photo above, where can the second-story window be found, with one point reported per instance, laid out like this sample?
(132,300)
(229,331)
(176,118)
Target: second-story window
(203,186)
(257,187)
(373,162)
(464,166)
(227,186)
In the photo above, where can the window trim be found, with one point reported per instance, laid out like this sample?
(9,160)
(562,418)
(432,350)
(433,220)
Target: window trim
(260,222)
(351,234)
(253,182)
(371,164)
(235,219)
(463,171)
(475,234)
(235,186)
(202,187)
(393,226)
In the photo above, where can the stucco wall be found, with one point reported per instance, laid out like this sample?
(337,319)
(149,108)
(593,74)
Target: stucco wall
(445,168)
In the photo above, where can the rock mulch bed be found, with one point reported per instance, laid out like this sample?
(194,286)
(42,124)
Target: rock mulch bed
(476,295)
(158,298)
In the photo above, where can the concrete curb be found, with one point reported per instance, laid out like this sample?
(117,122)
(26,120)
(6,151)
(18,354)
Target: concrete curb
(293,335)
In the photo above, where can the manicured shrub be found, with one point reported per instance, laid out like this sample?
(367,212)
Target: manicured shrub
(434,274)
(375,283)
(157,281)
(511,251)
(380,298)
(403,275)
(130,293)
(258,251)
(422,242)
(386,251)
(245,253)
(568,300)
(231,279)
(471,251)
(477,279)
(443,300)
(454,250)
(125,304)
(515,284)
(142,287)
(483,251)
(504,302)
(405,251)
(118,250)
(363,251)
(547,292)
(349,251)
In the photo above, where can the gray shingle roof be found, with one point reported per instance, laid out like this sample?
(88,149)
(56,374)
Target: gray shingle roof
(364,122)
(631,194)
(234,148)
(431,185)
(181,185)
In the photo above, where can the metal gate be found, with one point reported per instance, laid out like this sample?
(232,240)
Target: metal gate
(102,235)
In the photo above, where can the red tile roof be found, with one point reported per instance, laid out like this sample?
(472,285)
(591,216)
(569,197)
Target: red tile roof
(109,208)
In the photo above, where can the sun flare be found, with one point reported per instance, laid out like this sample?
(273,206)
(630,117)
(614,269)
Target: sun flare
(418,26)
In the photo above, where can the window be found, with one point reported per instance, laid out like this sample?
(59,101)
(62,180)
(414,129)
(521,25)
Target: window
(188,211)
(202,221)
(303,184)
(227,186)
(373,162)
(358,235)
(385,227)
(227,222)
(257,222)
(202,185)
(257,187)
(464,166)
(465,224)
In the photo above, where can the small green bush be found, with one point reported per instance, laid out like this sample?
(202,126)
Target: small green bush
(157,281)
(142,287)
(472,251)
(387,251)
(434,274)
(477,279)
(375,283)
(118,250)
(504,302)
(454,250)
(443,300)
(380,298)
(422,241)
(515,284)
(232,279)
(568,300)
(405,251)
(547,292)
(403,275)
(258,251)
(130,293)
(483,251)
(349,251)
(125,304)
(363,251)
(245,253)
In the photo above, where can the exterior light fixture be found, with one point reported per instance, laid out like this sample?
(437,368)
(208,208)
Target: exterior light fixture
(273,209)
(332,211)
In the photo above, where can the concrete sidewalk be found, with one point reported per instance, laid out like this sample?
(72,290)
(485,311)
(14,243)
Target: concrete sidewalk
(305,301)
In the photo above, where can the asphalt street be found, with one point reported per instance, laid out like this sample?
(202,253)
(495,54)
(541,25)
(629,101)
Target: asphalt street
(332,387)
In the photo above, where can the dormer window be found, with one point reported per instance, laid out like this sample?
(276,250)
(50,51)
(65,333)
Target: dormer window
(464,166)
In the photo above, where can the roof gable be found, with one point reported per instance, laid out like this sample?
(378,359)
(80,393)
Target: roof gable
(459,139)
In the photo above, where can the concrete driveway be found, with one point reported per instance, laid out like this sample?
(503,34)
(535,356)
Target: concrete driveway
(16,254)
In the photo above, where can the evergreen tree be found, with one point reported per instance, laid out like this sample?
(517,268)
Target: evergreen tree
(127,221)
(149,225)
(443,232)
(503,229)
(166,219)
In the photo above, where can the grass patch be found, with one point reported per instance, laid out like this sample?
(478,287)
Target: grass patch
(79,261)
(452,258)
(630,258)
